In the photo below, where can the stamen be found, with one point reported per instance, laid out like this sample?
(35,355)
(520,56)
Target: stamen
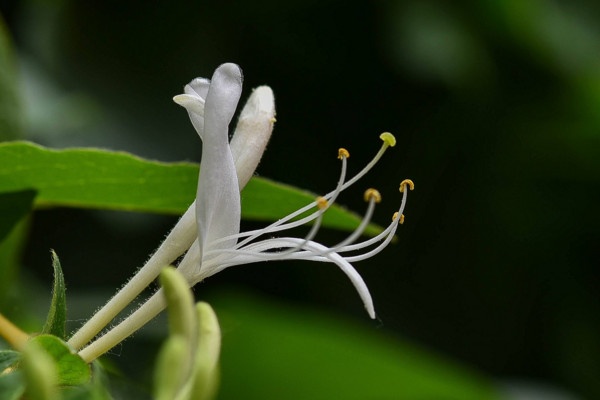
(342,152)
(275,227)
(372,194)
(259,251)
(281,224)
(322,203)
(373,197)
(408,182)
(368,242)
(396,216)
(388,139)
(389,231)
(323,206)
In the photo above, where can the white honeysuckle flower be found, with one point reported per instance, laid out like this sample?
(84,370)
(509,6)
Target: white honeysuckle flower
(250,138)
(218,243)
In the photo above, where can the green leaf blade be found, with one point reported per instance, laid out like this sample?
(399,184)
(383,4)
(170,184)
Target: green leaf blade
(72,370)
(57,315)
(92,178)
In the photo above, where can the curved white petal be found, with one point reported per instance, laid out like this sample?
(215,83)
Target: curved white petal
(218,208)
(314,251)
(193,100)
(198,87)
(252,132)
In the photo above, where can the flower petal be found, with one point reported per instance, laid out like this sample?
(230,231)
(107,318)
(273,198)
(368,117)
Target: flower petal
(218,208)
(252,132)
(193,100)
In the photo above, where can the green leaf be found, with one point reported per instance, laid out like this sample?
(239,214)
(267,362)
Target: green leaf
(57,315)
(72,370)
(11,386)
(10,110)
(270,348)
(95,389)
(90,178)
(20,204)
(8,358)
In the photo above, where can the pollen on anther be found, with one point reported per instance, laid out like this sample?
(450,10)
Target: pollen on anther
(322,203)
(342,152)
(372,194)
(401,219)
(395,217)
(405,182)
(388,139)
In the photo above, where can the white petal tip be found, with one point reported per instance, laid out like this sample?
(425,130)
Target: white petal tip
(191,103)
(231,70)
(199,83)
(262,100)
(197,87)
(372,313)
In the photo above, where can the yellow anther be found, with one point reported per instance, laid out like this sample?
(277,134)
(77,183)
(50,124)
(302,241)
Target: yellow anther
(322,203)
(273,120)
(342,152)
(388,139)
(372,194)
(405,182)
(395,217)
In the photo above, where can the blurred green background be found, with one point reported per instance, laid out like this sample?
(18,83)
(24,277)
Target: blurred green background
(495,105)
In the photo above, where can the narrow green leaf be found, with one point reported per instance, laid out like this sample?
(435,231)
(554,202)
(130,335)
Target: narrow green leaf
(16,205)
(11,386)
(91,178)
(57,315)
(8,358)
(72,370)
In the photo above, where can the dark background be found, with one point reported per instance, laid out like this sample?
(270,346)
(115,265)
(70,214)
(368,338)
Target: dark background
(495,105)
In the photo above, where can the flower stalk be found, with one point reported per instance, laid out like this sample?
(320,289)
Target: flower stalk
(12,334)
